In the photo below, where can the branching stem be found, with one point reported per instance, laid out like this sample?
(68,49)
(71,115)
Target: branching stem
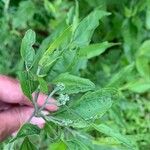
(47,99)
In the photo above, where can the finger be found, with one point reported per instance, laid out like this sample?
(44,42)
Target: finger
(10,92)
(51,106)
(4,106)
(12,119)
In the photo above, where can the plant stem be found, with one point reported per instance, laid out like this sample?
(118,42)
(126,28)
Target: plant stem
(35,100)
(33,114)
(47,99)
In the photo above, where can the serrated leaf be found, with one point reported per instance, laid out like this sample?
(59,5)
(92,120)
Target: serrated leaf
(84,31)
(74,84)
(27,145)
(94,49)
(27,130)
(103,128)
(45,60)
(89,107)
(27,51)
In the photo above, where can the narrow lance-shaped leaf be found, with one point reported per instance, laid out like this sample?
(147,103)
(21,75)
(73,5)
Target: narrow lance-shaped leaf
(110,132)
(138,85)
(148,15)
(73,16)
(120,76)
(27,51)
(74,84)
(143,60)
(84,31)
(46,58)
(93,50)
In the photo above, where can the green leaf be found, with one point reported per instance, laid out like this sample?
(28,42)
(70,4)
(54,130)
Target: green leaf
(143,60)
(139,86)
(113,133)
(46,58)
(27,51)
(60,145)
(148,15)
(65,64)
(84,31)
(120,76)
(24,14)
(28,86)
(27,145)
(144,49)
(74,84)
(73,16)
(94,49)
(27,130)
(43,85)
(89,107)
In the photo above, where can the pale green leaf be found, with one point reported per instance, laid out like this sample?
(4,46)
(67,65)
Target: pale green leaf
(73,16)
(139,86)
(27,51)
(84,31)
(148,15)
(115,134)
(94,49)
(89,107)
(24,14)
(74,84)
(143,60)
(120,76)
(44,61)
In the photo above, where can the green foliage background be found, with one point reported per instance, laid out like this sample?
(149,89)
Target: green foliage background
(124,66)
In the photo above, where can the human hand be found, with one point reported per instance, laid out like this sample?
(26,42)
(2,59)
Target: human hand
(15,108)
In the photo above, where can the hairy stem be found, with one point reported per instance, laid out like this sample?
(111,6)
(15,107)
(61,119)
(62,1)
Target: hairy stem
(35,100)
(47,99)
(33,114)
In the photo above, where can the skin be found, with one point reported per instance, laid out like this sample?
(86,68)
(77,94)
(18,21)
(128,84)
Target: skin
(15,108)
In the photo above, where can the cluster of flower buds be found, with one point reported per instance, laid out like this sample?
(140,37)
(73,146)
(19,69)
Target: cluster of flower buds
(60,86)
(63,98)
